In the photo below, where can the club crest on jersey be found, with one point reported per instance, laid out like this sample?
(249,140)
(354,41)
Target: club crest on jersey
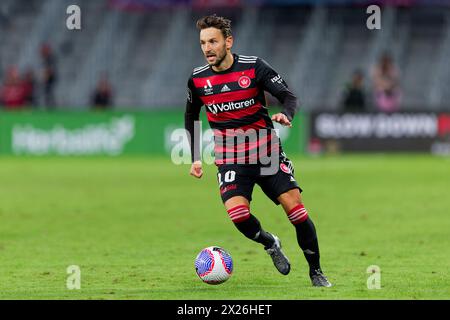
(244,82)
(285,168)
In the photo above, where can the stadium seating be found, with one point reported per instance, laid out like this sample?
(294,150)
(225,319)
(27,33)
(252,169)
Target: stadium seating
(148,55)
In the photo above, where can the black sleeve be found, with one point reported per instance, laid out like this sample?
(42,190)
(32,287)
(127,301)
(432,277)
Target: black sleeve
(272,82)
(192,114)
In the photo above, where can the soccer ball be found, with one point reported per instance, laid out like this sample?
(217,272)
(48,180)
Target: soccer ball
(214,265)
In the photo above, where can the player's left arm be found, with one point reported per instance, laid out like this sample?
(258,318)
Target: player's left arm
(272,82)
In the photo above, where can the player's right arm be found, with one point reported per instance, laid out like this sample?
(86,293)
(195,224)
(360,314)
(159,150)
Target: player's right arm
(191,115)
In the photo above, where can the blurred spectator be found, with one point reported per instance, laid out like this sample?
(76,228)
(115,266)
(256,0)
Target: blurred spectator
(354,99)
(29,84)
(102,96)
(49,74)
(386,85)
(12,93)
(4,19)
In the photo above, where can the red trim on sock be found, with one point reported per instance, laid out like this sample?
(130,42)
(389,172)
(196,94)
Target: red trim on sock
(239,213)
(297,207)
(239,206)
(298,214)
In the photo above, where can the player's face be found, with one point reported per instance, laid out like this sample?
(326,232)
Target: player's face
(214,45)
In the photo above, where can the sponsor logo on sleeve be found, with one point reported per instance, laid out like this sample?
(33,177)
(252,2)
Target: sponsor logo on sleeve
(189,95)
(277,79)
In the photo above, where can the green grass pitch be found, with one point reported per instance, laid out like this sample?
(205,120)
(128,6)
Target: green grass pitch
(134,226)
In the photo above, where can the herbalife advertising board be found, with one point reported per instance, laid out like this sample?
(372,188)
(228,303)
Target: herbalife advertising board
(418,131)
(108,137)
(79,133)
(111,133)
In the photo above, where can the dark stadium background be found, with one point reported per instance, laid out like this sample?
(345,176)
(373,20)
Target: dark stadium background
(83,111)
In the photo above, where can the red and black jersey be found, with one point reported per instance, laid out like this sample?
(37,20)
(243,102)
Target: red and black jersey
(235,103)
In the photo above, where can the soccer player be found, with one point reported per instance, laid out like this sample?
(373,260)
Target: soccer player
(231,87)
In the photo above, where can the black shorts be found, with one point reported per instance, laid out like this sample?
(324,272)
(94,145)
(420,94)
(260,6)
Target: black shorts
(239,180)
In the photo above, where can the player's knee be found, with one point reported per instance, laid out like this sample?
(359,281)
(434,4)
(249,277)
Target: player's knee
(290,199)
(297,214)
(239,213)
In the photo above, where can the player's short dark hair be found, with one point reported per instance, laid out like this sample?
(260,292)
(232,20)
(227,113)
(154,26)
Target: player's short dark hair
(214,21)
